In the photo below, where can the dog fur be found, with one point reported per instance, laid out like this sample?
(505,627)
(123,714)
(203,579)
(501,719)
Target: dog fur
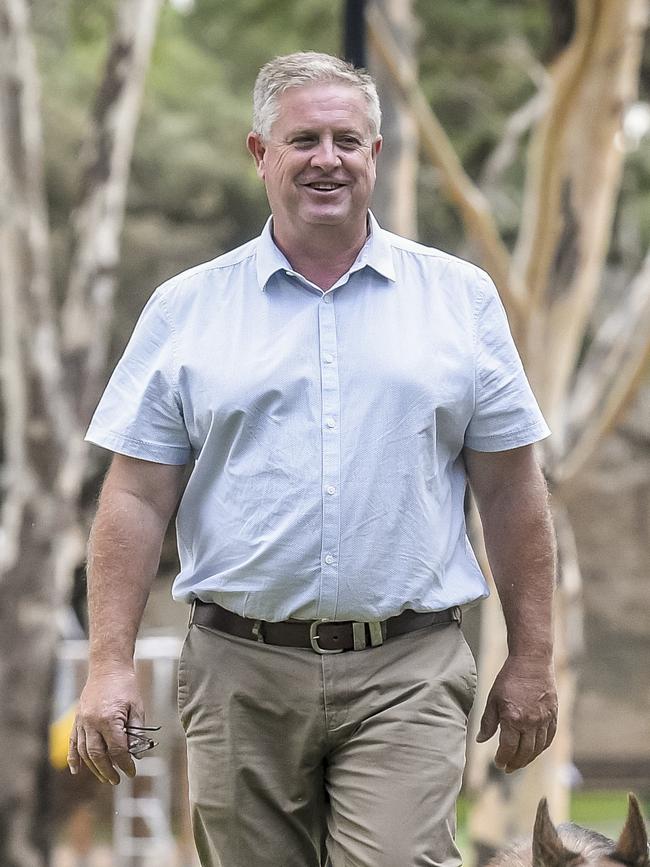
(569,845)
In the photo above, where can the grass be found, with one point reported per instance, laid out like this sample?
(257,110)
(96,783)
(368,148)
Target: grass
(604,811)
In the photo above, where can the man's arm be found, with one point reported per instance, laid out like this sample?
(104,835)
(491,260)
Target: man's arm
(136,503)
(512,500)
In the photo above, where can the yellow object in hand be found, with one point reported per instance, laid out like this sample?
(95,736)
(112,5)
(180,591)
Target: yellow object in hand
(59,738)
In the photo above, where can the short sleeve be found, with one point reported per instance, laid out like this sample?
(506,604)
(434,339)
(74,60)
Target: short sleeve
(140,413)
(506,414)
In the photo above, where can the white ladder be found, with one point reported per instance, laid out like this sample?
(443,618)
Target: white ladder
(142,833)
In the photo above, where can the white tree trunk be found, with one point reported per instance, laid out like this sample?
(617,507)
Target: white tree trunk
(43,411)
(575,166)
(560,256)
(395,196)
(549,288)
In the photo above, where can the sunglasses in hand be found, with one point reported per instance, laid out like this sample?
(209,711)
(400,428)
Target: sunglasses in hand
(139,740)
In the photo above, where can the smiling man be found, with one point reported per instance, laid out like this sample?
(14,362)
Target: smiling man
(318,162)
(333,388)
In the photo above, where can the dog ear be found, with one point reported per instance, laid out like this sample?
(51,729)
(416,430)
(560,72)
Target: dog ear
(548,849)
(632,846)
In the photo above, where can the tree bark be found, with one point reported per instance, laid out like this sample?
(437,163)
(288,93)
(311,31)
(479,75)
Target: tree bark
(473,207)
(549,287)
(394,198)
(43,411)
(567,216)
(560,256)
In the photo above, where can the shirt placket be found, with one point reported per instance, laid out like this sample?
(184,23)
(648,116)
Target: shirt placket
(331,452)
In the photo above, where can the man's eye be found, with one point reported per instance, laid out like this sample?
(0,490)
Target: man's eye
(349,142)
(303,141)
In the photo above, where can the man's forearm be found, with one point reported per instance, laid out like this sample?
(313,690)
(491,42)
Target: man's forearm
(135,505)
(520,545)
(123,557)
(513,503)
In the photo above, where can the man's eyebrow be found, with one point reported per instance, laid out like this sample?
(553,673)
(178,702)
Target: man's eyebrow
(344,130)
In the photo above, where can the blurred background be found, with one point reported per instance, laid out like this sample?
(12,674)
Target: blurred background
(517,136)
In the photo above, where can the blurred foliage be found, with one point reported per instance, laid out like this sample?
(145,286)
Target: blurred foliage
(479,61)
(193,190)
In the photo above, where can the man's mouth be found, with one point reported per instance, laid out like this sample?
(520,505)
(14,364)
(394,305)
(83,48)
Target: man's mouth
(324,186)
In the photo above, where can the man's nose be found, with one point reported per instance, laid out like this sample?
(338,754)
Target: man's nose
(326,155)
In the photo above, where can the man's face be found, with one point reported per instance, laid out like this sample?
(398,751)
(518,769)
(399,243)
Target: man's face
(318,163)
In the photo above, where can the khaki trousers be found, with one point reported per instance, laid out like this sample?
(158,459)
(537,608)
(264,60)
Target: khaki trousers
(296,758)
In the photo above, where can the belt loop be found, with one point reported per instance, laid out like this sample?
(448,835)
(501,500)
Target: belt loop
(257,631)
(192,610)
(359,636)
(376,633)
(457,614)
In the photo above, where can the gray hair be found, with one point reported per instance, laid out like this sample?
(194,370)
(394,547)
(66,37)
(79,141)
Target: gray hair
(304,68)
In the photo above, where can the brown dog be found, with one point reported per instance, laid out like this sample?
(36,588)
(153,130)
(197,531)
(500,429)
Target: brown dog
(569,845)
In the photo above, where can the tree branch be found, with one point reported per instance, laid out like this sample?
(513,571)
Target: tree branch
(542,202)
(615,402)
(463,193)
(26,165)
(24,266)
(16,480)
(99,217)
(567,215)
(517,52)
(613,342)
(608,377)
(517,125)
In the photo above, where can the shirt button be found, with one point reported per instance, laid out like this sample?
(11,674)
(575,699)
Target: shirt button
(326,299)
(330,423)
(329,559)
(329,358)
(331,489)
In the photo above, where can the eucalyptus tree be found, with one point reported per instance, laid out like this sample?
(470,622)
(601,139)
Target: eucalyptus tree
(53,351)
(549,269)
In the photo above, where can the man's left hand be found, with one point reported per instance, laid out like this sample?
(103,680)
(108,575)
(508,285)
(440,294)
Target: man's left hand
(523,704)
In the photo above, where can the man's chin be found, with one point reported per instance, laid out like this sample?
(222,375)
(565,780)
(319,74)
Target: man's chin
(324,216)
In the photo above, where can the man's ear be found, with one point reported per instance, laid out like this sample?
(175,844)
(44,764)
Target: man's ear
(376,146)
(257,149)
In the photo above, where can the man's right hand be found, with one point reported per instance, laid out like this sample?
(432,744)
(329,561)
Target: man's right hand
(109,702)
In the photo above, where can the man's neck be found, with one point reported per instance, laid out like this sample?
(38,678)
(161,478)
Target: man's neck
(324,254)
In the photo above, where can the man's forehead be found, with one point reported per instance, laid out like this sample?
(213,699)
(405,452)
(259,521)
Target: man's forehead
(323,96)
(310,106)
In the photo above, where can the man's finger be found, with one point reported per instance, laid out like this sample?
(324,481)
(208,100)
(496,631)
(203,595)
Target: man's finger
(525,752)
(124,761)
(540,740)
(83,752)
(508,746)
(118,749)
(550,734)
(489,722)
(98,755)
(74,759)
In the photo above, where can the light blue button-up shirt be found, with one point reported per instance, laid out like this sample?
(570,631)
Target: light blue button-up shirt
(325,430)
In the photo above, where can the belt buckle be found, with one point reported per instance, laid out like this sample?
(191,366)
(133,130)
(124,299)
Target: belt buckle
(313,637)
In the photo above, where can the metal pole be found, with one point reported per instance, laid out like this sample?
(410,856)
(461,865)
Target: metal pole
(355,32)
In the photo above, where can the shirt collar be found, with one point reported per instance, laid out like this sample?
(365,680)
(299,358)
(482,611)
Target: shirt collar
(376,253)
(269,258)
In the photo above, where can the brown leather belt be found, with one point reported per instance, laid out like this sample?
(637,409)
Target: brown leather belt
(322,636)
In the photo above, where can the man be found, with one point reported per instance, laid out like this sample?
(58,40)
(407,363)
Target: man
(333,387)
